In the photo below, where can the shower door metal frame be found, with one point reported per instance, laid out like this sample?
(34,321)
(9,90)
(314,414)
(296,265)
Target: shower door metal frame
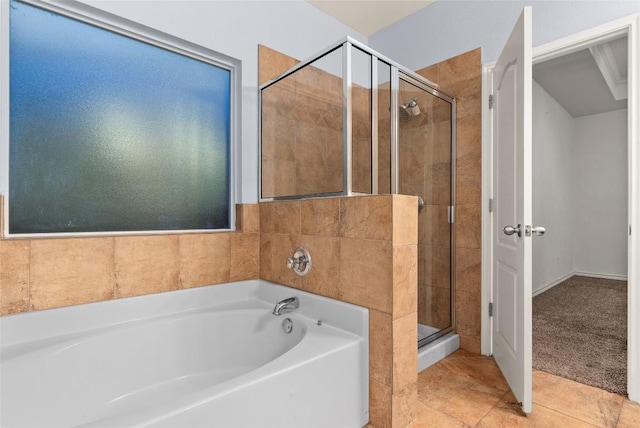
(452,174)
(397,72)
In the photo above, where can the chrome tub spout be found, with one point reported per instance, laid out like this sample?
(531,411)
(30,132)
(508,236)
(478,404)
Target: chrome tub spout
(286,305)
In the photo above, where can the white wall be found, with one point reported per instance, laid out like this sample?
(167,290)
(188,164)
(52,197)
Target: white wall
(450,27)
(553,146)
(579,192)
(600,194)
(235,28)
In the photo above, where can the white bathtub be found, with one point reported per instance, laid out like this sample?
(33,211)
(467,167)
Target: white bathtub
(205,357)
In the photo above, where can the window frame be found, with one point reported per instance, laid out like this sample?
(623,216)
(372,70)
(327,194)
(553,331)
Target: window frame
(141,33)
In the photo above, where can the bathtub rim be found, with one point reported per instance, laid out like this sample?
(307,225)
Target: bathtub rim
(21,328)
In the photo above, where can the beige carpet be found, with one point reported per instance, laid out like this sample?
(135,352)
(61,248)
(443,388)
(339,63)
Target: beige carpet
(580,332)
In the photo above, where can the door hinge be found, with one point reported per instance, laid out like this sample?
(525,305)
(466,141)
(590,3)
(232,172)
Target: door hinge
(450,214)
(491,205)
(490,101)
(490,309)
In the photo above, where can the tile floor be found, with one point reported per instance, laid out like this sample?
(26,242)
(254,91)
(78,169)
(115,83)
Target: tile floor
(468,390)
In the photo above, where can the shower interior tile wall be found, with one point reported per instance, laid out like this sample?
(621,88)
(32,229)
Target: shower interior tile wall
(302,133)
(425,170)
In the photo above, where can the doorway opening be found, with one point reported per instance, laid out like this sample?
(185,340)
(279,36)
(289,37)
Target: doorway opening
(580,194)
(628,27)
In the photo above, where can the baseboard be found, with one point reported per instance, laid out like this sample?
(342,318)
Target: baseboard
(601,275)
(553,284)
(578,273)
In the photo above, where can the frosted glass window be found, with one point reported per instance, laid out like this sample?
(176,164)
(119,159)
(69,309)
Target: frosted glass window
(108,133)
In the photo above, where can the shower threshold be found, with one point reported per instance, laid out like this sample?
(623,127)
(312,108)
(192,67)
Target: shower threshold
(433,352)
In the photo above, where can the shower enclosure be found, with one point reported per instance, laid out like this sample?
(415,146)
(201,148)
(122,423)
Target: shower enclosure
(350,121)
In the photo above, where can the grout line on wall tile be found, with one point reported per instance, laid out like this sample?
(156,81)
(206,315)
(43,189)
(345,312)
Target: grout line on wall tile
(115,270)
(29,304)
(180,287)
(113,267)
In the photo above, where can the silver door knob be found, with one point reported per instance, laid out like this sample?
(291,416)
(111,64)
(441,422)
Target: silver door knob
(510,230)
(538,230)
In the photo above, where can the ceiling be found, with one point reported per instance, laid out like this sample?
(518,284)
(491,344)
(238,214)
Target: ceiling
(589,81)
(369,16)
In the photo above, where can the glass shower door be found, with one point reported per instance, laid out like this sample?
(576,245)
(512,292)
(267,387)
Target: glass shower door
(425,157)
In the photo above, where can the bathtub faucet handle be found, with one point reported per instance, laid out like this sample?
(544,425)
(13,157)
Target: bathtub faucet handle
(286,305)
(297,262)
(300,262)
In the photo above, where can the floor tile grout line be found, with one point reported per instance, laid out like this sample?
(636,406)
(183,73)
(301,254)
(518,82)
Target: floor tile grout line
(491,409)
(576,418)
(572,417)
(619,414)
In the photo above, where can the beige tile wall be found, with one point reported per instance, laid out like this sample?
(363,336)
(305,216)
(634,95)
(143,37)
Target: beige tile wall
(48,273)
(303,116)
(301,129)
(384,138)
(364,251)
(302,137)
(461,76)
(361,139)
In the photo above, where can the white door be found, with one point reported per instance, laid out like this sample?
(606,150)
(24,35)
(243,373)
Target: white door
(512,101)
